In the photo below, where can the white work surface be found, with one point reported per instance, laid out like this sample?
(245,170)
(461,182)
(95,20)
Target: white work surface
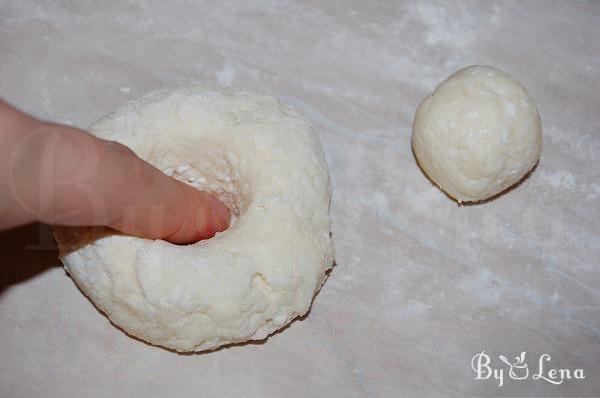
(421,284)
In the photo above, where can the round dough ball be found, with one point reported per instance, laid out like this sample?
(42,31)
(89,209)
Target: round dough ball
(477,134)
(262,159)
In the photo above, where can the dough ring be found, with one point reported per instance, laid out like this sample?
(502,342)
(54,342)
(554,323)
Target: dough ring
(262,159)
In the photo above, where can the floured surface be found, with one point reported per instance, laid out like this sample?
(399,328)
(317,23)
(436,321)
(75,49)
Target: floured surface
(420,285)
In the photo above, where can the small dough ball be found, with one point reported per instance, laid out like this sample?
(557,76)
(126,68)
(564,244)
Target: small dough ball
(477,134)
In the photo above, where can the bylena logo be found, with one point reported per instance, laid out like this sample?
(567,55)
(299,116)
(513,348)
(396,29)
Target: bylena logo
(519,369)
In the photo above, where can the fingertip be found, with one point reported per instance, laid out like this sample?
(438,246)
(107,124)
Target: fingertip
(185,215)
(206,216)
(221,215)
(213,217)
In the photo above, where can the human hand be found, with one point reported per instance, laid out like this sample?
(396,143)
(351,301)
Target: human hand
(62,175)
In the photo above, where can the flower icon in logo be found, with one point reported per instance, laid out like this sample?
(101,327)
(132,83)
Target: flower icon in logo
(518,370)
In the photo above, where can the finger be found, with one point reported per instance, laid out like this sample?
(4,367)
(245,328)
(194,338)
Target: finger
(82,180)
(165,207)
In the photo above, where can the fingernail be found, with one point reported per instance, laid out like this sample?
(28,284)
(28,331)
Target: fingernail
(221,215)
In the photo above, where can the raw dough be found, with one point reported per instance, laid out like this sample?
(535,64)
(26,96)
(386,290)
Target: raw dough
(477,134)
(263,160)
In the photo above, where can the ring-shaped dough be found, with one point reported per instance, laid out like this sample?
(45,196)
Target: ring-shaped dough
(262,159)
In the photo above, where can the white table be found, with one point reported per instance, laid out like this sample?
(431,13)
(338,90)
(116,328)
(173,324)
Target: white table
(421,285)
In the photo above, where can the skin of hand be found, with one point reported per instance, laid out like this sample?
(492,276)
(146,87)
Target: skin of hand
(65,176)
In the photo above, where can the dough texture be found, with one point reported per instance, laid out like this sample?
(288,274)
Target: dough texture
(262,159)
(477,134)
